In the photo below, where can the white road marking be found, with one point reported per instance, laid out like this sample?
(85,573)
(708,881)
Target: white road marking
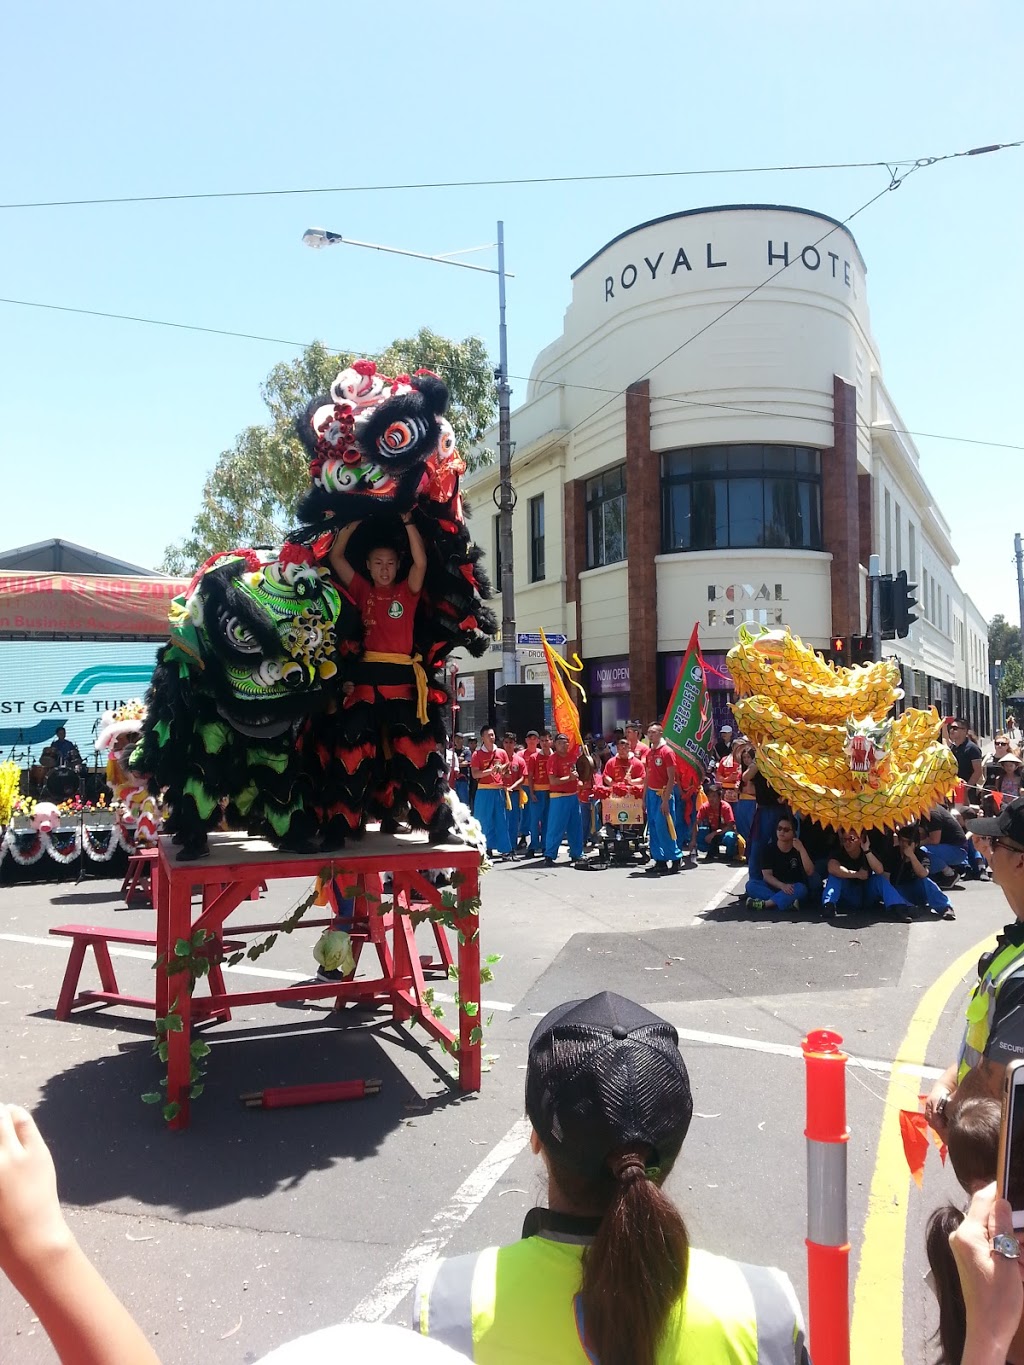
(144,955)
(720,895)
(693,1035)
(381,1302)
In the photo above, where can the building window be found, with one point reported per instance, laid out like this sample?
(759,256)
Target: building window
(536,506)
(606,517)
(741,497)
(888,532)
(912,549)
(898,536)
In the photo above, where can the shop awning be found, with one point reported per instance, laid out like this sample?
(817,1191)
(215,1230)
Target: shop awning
(85,604)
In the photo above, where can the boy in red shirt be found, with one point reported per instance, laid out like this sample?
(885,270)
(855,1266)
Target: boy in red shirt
(564,810)
(385,710)
(624,772)
(660,783)
(488,766)
(539,789)
(515,781)
(716,826)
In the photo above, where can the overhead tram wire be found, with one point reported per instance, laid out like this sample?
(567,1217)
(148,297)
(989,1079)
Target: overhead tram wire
(358,350)
(912,163)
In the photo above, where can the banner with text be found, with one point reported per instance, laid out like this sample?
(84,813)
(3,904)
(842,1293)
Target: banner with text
(687,726)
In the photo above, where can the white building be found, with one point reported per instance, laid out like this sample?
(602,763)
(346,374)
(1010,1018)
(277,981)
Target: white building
(710,440)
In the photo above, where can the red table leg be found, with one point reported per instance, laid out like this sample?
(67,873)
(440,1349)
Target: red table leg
(159,888)
(179,925)
(469,984)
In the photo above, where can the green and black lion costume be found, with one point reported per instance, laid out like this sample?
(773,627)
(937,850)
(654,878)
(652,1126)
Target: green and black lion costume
(263,712)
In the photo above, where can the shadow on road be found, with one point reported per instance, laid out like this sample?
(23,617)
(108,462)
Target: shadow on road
(108,1145)
(737,912)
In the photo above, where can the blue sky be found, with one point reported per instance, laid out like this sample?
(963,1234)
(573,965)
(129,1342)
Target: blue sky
(108,428)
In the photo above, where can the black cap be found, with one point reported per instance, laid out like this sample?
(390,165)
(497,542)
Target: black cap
(1008,824)
(604,1074)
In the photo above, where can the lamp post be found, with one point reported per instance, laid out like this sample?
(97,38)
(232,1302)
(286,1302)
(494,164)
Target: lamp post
(321,237)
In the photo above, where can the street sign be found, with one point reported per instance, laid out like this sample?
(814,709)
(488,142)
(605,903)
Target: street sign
(528,655)
(532,637)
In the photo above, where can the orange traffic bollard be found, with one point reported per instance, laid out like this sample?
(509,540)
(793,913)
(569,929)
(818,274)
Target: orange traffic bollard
(828,1245)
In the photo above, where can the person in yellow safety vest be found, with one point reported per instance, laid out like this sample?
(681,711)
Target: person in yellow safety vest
(605,1274)
(994,1030)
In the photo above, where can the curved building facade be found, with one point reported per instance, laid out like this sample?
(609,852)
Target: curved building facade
(710,440)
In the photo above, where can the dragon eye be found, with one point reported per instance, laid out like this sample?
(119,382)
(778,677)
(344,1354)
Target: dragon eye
(401,436)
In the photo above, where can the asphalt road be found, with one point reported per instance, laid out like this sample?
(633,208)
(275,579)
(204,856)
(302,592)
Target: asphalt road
(254,1227)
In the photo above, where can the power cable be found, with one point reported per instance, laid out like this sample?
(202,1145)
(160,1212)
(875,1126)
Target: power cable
(360,350)
(912,162)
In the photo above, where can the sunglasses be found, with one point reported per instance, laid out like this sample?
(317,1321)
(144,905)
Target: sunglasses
(996,842)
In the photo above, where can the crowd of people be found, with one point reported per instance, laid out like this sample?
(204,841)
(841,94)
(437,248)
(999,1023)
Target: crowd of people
(532,798)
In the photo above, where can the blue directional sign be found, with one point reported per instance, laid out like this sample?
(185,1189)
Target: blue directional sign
(532,638)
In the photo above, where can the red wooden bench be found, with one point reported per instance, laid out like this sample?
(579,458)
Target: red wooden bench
(137,884)
(97,937)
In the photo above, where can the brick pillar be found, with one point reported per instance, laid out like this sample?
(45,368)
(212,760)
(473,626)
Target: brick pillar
(643,531)
(840,510)
(575,508)
(864,492)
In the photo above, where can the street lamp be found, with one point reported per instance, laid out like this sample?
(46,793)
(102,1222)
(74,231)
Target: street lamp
(320,237)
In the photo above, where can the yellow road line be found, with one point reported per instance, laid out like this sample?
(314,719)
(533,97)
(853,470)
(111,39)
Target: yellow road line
(876,1332)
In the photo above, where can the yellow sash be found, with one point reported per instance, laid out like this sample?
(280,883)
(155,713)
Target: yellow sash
(413,661)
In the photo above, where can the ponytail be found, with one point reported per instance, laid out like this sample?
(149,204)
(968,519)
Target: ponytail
(635,1270)
(951,1333)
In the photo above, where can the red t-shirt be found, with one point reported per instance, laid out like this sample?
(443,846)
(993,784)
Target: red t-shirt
(622,774)
(657,765)
(537,765)
(482,764)
(723,819)
(388,615)
(561,766)
(516,768)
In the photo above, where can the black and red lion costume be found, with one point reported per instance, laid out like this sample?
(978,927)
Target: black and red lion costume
(324,746)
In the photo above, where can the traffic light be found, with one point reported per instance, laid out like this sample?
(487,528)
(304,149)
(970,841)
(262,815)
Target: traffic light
(837,648)
(860,649)
(902,600)
(887,606)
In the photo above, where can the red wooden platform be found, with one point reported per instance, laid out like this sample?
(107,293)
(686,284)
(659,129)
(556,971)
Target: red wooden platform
(238,865)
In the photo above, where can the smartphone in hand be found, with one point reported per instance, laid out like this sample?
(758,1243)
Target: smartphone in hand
(1010,1170)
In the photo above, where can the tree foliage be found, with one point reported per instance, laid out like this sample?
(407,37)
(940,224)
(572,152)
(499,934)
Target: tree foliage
(1003,640)
(1011,683)
(249,495)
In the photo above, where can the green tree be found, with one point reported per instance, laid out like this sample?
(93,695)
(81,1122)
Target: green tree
(1012,681)
(1003,639)
(249,495)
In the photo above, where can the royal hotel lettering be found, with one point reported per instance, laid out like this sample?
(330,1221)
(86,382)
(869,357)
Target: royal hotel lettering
(750,604)
(778,255)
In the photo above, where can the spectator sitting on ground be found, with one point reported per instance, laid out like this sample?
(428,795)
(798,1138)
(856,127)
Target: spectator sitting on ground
(784,872)
(606,1272)
(716,826)
(856,879)
(946,842)
(909,873)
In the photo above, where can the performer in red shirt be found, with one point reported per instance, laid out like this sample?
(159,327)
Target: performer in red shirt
(624,772)
(661,781)
(400,763)
(488,767)
(716,826)
(564,810)
(539,788)
(515,781)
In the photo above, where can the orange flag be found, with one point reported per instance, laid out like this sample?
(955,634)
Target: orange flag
(917,1136)
(564,709)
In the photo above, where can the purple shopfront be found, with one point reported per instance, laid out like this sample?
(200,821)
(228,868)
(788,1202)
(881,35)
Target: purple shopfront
(608,694)
(719,679)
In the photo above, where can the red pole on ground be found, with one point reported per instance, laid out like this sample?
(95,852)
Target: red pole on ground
(828,1245)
